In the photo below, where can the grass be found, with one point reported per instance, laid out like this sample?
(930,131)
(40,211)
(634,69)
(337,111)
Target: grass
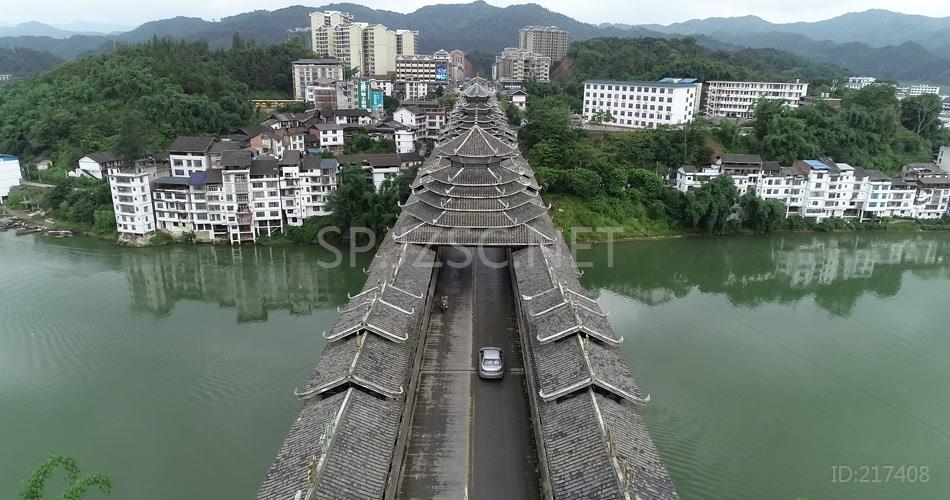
(631,218)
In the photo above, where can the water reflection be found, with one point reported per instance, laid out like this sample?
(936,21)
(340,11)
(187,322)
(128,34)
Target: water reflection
(253,280)
(835,270)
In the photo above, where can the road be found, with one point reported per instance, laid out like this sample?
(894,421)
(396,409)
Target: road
(471,438)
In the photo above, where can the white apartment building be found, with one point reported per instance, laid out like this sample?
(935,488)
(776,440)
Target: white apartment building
(917,90)
(189,155)
(10,175)
(309,71)
(671,101)
(738,99)
(420,67)
(94,165)
(549,41)
(517,66)
(330,135)
(821,189)
(859,82)
(132,197)
(371,48)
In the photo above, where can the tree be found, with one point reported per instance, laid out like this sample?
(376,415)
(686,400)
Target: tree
(707,208)
(921,114)
(349,73)
(75,489)
(761,215)
(602,118)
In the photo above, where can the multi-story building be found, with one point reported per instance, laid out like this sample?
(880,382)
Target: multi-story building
(670,101)
(10,175)
(917,90)
(370,48)
(515,66)
(549,41)
(822,189)
(131,188)
(738,99)
(94,165)
(420,67)
(189,155)
(309,71)
(457,66)
(329,135)
(859,82)
(329,95)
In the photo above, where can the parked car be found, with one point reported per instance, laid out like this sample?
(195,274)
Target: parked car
(491,363)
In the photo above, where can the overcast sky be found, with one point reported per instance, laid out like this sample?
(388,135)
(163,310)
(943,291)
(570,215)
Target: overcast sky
(133,13)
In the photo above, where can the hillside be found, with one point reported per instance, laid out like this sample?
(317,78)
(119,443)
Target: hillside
(147,94)
(652,59)
(25,62)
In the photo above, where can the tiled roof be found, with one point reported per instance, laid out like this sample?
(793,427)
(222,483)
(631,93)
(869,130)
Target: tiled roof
(191,145)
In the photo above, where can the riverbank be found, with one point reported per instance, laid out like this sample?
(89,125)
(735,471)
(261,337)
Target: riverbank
(586,222)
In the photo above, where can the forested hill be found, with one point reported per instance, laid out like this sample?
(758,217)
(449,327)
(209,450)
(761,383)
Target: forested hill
(144,95)
(23,62)
(650,59)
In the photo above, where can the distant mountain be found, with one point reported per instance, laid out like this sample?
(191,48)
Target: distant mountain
(474,26)
(33,28)
(88,27)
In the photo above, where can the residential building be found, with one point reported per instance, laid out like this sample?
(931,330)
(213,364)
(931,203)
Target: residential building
(518,98)
(189,155)
(308,71)
(132,200)
(421,67)
(456,66)
(353,117)
(407,116)
(548,41)
(738,99)
(822,189)
(917,90)
(378,167)
(370,48)
(330,135)
(94,165)
(859,82)
(329,94)
(10,175)
(517,66)
(670,101)
(417,90)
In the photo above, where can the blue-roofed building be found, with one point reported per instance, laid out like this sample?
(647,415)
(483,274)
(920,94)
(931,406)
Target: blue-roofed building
(10,175)
(670,101)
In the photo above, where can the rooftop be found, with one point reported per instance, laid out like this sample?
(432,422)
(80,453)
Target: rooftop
(191,145)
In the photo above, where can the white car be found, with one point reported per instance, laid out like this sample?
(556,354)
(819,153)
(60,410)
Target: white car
(491,363)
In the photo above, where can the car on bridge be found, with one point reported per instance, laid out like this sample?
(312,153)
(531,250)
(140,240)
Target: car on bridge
(491,363)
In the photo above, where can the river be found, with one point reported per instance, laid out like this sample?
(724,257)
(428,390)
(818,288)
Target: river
(776,365)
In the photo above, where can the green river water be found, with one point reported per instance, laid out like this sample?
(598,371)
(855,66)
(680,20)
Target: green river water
(789,366)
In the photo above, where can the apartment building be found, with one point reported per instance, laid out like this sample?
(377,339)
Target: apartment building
(943,159)
(548,41)
(670,101)
(821,189)
(517,66)
(738,99)
(131,188)
(371,48)
(10,175)
(457,66)
(189,155)
(421,67)
(859,82)
(307,72)
(917,90)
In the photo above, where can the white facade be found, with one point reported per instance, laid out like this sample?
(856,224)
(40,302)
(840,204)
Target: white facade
(859,82)
(917,90)
(820,190)
(516,65)
(406,117)
(738,99)
(132,199)
(308,71)
(405,140)
(94,165)
(10,175)
(431,68)
(371,48)
(331,135)
(643,104)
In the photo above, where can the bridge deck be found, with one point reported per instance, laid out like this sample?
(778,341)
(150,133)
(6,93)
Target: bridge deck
(471,437)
